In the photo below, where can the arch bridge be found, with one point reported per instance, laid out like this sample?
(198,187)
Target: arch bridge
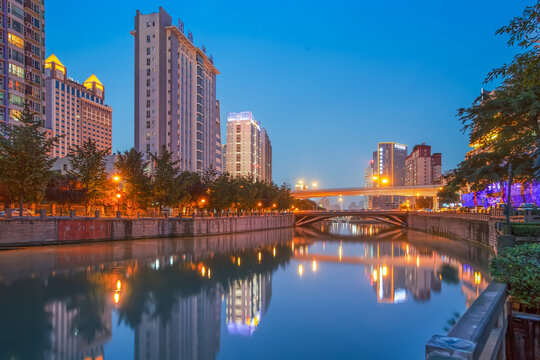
(393,217)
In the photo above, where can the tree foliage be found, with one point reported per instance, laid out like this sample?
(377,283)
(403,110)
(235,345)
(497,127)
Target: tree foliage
(88,169)
(133,171)
(164,191)
(25,167)
(503,125)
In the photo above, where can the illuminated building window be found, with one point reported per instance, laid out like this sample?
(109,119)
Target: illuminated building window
(15,40)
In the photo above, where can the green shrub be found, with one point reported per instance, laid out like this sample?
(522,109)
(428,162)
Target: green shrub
(519,267)
(526,229)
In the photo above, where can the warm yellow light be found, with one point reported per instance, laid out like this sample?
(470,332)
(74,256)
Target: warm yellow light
(385,181)
(274,252)
(493,137)
(118,196)
(440,188)
(209,273)
(116,178)
(239,261)
(274,205)
(292,245)
(314,265)
(118,285)
(260,204)
(375,177)
(116,298)
(340,252)
(477,278)
(300,269)
(314,184)
(260,256)
(417,194)
(203,271)
(375,275)
(417,260)
(301,182)
(203,201)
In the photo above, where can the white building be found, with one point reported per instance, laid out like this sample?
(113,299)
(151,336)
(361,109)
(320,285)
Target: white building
(175,93)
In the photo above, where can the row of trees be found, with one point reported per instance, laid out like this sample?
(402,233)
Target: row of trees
(503,125)
(26,176)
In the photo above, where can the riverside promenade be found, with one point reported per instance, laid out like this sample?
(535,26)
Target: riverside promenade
(29,231)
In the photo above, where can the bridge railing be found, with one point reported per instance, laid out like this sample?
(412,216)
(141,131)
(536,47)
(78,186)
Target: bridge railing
(479,333)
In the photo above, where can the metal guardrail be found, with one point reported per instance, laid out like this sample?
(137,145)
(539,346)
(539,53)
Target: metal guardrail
(479,333)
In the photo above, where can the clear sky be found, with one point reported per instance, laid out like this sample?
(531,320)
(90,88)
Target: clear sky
(328,79)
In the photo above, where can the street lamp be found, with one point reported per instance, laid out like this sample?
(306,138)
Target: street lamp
(118,196)
(116,178)
(314,185)
(384,181)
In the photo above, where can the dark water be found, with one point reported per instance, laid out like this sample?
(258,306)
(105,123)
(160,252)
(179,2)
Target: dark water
(341,291)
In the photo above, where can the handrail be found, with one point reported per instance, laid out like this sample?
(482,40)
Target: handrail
(479,333)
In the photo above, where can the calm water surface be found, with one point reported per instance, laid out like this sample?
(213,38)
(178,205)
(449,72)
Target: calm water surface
(339,291)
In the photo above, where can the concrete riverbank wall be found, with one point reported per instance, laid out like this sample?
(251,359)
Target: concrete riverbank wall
(24,232)
(479,228)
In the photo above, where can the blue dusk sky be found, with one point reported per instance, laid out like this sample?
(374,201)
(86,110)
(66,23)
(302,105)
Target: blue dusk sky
(328,79)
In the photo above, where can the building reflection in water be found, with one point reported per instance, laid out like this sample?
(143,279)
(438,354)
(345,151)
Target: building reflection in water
(247,302)
(170,292)
(399,264)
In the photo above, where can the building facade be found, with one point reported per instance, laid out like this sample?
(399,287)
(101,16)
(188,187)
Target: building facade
(76,112)
(266,156)
(423,168)
(243,145)
(175,93)
(22,79)
(388,171)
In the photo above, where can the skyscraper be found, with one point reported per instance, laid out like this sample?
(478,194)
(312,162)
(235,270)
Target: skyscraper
(75,111)
(22,79)
(249,151)
(388,170)
(423,168)
(266,156)
(175,93)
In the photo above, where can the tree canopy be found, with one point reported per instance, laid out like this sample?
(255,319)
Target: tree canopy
(503,125)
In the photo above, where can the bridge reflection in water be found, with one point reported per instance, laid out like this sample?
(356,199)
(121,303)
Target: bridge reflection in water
(191,298)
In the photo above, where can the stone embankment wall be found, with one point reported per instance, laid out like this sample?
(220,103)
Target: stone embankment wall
(22,232)
(479,228)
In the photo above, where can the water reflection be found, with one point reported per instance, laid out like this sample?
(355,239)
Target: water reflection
(187,298)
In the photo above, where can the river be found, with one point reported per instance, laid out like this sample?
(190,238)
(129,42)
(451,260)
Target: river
(335,291)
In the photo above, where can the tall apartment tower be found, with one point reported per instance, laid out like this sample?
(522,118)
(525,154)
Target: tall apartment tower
(22,79)
(76,112)
(220,164)
(390,169)
(423,168)
(266,156)
(243,145)
(175,93)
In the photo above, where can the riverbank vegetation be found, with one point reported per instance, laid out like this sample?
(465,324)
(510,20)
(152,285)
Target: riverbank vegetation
(502,124)
(154,185)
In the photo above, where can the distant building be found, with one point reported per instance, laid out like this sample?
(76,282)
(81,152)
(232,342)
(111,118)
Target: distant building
(423,168)
(175,93)
(76,112)
(389,171)
(22,77)
(220,164)
(249,150)
(266,156)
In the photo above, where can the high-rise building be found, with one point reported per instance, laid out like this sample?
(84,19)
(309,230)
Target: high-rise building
(220,165)
(175,93)
(76,112)
(243,145)
(22,79)
(423,168)
(388,171)
(266,156)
